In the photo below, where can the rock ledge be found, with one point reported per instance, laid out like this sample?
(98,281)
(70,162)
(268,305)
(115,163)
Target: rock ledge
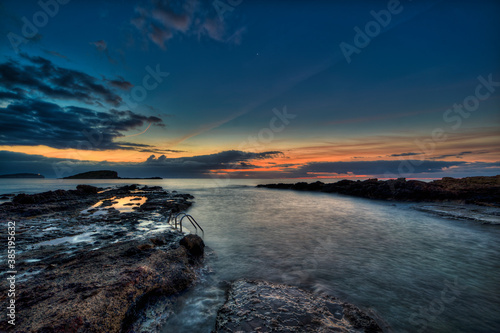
(259,306)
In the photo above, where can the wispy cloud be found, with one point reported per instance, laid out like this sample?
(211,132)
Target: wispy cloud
(161,20)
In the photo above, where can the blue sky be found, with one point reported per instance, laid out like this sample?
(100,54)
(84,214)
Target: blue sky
(229,66)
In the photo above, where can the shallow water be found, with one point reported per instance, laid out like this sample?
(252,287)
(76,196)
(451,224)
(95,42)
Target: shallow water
(418,271)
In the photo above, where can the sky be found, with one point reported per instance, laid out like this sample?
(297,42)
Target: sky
(250,89)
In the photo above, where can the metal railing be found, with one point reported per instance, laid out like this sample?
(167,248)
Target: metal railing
(179,222)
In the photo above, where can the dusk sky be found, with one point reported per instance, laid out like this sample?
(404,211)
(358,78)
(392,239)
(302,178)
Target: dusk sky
(250,89)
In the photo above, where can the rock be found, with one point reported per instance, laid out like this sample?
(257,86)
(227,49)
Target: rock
(87,189)
(194,244)
(100,291)
(259,306)
(102,283)
(477,190)
(101,174)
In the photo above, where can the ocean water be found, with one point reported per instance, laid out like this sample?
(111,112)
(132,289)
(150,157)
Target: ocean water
(418,271)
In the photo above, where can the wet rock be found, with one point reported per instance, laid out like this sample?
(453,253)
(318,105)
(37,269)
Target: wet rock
(476,190)
(194,245)
(128,188)
(258,306)
(107,203)
(97,271)
(100,291)
(88,189)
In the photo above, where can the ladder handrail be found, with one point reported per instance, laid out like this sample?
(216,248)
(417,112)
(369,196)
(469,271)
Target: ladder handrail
(190,218)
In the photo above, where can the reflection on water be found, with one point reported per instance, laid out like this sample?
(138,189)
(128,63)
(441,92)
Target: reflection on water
(123,205)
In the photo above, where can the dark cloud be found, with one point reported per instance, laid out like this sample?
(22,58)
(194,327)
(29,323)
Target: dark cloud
(405,154)
(459,155)
(195,166)
(201,166)
(379,168)
(33,122)
(161,20)
(30,119)
(160,151)
(9,95)
(120,83)
(41,76)
(230,159)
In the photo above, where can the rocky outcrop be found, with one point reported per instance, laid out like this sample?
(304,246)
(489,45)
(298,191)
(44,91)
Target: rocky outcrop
(103,290)
(194,245)
(477,190)
(258,306)
(100,174)
(85,266)
(66,201)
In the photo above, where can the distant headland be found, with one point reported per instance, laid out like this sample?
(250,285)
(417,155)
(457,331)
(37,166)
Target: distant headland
(102,174)
(23,175)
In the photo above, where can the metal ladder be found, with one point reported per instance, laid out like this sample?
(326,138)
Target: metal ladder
(179,222)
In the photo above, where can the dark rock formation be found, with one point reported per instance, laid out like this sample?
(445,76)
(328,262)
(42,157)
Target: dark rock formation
(87,189)
(194,244)
(101,174)
(257,306)
(477,190)
(60,201)
(103,290)
(85,272)
(25,205)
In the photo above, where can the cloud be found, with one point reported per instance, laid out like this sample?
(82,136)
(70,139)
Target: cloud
(34,108)
(100,45)
(56,54)
(162,20)
(120,83)
(202,166)
(33,122)
(404,154)
(218,160)
(41,77)
(194,166)
(459,155)
(379,167)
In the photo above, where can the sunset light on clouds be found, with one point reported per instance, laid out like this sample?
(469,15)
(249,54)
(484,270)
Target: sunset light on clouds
(260,90)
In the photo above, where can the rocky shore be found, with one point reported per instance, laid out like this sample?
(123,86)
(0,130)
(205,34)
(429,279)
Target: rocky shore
(105,260)
(259,306)
(483,191)
(91,259)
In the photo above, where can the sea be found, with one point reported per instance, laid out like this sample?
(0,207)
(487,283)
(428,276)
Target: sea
(415,270)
